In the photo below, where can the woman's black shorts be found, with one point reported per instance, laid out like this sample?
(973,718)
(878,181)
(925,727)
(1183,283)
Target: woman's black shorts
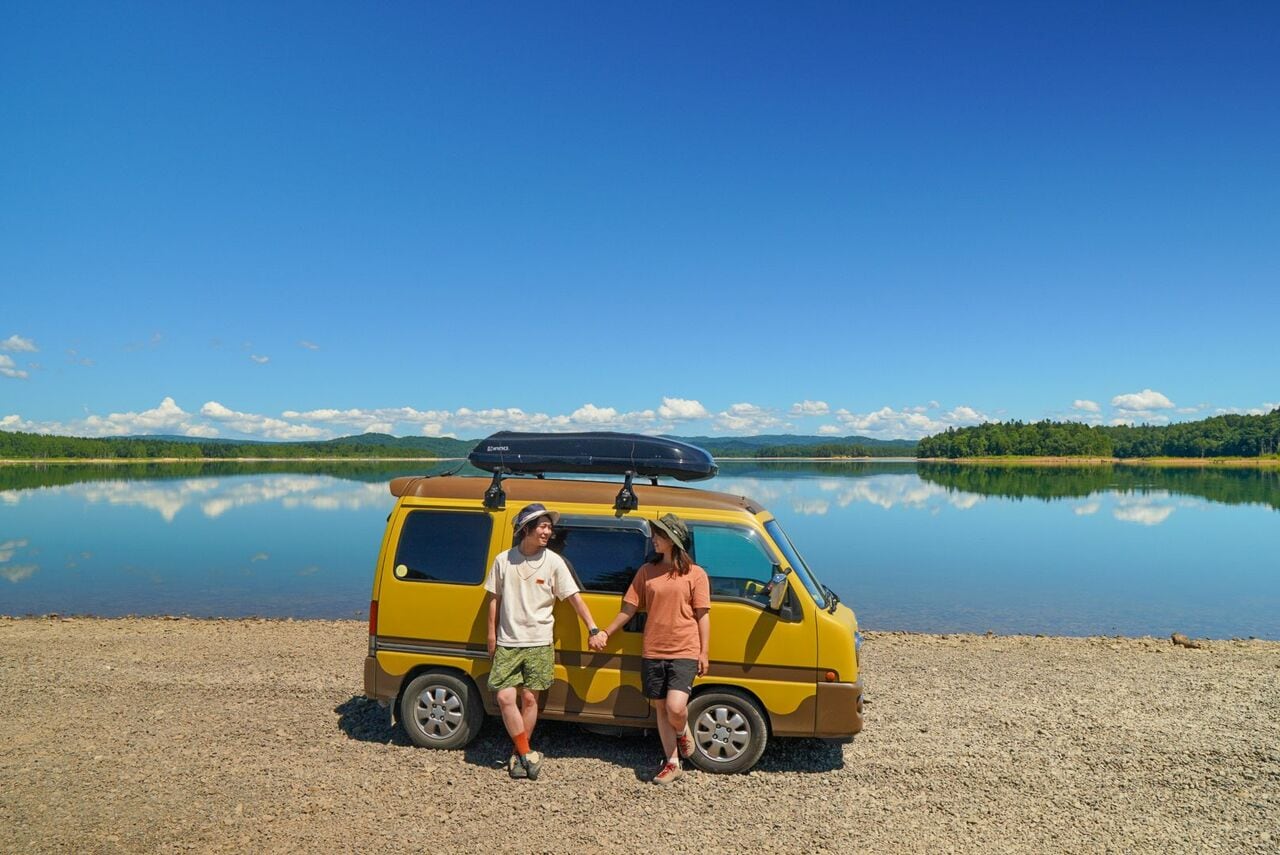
(660,676)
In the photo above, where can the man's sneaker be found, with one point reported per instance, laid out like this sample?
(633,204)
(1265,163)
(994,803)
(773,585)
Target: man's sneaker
(668,773)
(515,768)
(532,764)
(684,743)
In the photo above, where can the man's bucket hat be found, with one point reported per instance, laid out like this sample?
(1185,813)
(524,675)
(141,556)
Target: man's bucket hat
(675,530)
(529,513)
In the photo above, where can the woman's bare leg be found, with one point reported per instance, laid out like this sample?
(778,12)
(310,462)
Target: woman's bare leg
(665,732)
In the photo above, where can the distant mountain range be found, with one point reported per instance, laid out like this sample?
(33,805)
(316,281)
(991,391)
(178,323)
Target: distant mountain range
(792,445)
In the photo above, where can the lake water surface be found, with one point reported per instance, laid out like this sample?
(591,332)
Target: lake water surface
(929,547)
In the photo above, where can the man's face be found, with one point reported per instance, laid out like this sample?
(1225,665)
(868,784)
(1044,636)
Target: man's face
(537,536)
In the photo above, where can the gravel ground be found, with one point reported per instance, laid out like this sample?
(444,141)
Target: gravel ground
(162,734)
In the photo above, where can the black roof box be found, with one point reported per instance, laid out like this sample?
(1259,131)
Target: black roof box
(593,453)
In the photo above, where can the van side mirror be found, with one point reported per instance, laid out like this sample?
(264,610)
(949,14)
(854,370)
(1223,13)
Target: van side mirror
(777,588)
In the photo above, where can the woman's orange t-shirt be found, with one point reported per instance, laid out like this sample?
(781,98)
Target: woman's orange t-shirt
(670,630)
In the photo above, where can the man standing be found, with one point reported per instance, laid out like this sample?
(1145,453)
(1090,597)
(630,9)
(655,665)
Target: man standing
(524,584)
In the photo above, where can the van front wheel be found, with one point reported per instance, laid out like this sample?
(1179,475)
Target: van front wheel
(729,732)
(440,710)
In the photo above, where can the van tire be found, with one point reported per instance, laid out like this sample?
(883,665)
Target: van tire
(729,731)
(441,710)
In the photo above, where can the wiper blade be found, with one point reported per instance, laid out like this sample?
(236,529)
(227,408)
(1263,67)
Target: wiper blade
(831,600)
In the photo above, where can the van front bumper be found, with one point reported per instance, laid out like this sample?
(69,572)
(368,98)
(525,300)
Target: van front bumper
(839,713)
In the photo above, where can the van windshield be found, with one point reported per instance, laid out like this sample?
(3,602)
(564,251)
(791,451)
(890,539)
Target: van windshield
(810,582)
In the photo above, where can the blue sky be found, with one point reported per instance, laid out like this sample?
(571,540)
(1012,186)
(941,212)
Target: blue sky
(299,221)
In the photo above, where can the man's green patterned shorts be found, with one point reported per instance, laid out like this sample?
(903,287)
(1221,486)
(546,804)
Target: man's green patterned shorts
(531,667)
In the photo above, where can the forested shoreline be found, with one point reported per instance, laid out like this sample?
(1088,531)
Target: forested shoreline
(1243,436)
(32,446)
(1218,436)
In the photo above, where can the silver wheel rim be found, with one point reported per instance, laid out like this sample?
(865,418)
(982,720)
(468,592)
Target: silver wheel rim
(438,712)
(722,733)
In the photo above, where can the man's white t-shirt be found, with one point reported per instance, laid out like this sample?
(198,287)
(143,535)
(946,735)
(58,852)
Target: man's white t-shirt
(529,586)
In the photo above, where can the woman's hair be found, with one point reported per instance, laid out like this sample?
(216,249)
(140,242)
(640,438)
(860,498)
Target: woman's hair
(679,558)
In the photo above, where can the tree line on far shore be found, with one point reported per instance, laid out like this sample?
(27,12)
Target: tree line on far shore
(33,446)
(1219,436)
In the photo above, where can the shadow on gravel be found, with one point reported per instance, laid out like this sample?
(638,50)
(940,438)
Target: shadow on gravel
(634,749)
(363,720)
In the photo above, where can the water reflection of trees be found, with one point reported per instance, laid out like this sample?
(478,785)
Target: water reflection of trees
(1234,486)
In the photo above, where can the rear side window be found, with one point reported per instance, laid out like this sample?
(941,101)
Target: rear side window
(603,553)
(436,546)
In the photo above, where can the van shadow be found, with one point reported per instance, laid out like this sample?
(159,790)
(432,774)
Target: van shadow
(632,748)
(363,720)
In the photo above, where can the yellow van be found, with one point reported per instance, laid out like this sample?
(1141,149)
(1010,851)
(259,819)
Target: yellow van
(784,649)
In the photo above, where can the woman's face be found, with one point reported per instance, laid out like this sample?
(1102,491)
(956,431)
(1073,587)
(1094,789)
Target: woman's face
(661,542)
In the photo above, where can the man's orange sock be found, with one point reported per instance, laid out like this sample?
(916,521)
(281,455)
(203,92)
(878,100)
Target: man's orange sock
(521,740)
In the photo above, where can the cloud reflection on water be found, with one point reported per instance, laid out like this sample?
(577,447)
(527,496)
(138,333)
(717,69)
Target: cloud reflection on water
(217,496)
(813,497)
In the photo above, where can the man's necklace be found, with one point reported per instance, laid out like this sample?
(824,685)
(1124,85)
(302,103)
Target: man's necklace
(529,562)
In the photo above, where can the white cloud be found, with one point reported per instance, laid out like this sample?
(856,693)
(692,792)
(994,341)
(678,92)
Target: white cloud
(17,344)
(167,417)
(810,408)
(309,345)
(1087,509)
(748,418)
(1147,399)
(829,430)
(908,423)
(250,423)
(1240,411)
(1085,406)
(74,356)
(261,360)
(681,409)
(590,414)
(10,369)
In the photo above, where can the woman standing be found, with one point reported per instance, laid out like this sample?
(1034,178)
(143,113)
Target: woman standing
(677,632)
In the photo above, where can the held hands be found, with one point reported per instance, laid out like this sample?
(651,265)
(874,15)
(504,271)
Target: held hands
(598,641)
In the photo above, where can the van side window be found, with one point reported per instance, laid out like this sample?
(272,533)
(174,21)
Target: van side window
(437,546)
(604,554)
(735,560)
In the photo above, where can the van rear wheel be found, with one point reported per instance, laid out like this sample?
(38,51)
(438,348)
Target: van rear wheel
(441,710)
(729,732)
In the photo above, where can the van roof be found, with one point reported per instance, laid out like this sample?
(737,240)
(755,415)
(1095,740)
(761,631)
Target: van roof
(524,490)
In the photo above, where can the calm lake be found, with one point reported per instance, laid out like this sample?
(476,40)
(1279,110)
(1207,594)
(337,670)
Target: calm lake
(929,547)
